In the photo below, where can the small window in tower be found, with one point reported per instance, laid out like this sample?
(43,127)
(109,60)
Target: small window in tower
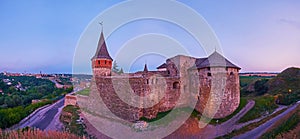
(168,72)
(231,73)
(208,68)
(209,74)
(147,81)
(176,85)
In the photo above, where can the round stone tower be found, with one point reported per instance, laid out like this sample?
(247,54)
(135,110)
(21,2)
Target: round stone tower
(219,88)
(102,62)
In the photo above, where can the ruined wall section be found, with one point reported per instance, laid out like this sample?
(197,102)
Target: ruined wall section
(182,64)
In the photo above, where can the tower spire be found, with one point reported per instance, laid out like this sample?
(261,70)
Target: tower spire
(102,62)
(145,68)
(102,49)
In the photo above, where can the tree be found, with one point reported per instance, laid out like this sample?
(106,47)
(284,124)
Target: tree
(115,67)
(121,71)
(1,100)
(261,87)
(17,99)
(9,102)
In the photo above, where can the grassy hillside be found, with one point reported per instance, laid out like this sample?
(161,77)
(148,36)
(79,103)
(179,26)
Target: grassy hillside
(285,86)
(283,89)
(287,81)
(253,85)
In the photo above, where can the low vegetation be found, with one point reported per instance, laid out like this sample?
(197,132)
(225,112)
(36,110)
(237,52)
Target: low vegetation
(84,92)
(284,89)
(157,121)
(253,85)
(251,126)
(264,105)
(71,120)
(36,134)
(285,86)
(283,126)
(285,82)
(194,114)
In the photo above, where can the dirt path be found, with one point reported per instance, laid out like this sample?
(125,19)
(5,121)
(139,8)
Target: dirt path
(229,125)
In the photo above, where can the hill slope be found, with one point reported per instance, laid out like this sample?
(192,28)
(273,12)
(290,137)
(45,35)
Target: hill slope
(286,81)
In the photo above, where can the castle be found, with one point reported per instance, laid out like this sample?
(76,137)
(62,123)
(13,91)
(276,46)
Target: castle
(212,82)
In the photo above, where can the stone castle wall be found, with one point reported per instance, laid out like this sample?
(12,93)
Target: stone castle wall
(102,71)
(215,90)
(115,93)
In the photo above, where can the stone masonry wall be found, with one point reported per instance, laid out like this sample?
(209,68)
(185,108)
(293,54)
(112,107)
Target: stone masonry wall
(102,71)
(219,92)
(112,88)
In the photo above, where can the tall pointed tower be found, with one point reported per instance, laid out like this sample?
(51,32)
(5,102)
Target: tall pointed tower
(102,62)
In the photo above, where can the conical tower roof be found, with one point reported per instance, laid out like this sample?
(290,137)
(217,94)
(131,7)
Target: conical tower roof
(102,49)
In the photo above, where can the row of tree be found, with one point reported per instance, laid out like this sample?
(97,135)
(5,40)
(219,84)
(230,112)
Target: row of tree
(16,104)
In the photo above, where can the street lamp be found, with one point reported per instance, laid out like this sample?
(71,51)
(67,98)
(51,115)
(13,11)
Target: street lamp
(217,128)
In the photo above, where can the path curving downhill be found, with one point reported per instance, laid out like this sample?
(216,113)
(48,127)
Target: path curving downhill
(210,131)
(229,125)
(258,131)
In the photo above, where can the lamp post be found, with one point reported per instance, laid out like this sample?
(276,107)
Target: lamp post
(217,128)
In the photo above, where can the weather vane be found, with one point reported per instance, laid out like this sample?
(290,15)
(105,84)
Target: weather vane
(101,23)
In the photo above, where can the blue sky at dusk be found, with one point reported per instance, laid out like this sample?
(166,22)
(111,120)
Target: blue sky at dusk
(42,35)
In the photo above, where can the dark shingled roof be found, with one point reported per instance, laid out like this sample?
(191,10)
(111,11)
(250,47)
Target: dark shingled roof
(164,65)
(102,49)
(214,60)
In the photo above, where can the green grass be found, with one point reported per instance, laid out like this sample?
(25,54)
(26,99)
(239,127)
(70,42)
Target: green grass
(263,105)
(168,119)
(84,92)
(70,123)
(247,80)
(194,114)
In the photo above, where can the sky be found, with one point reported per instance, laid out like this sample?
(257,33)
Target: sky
(49,35)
